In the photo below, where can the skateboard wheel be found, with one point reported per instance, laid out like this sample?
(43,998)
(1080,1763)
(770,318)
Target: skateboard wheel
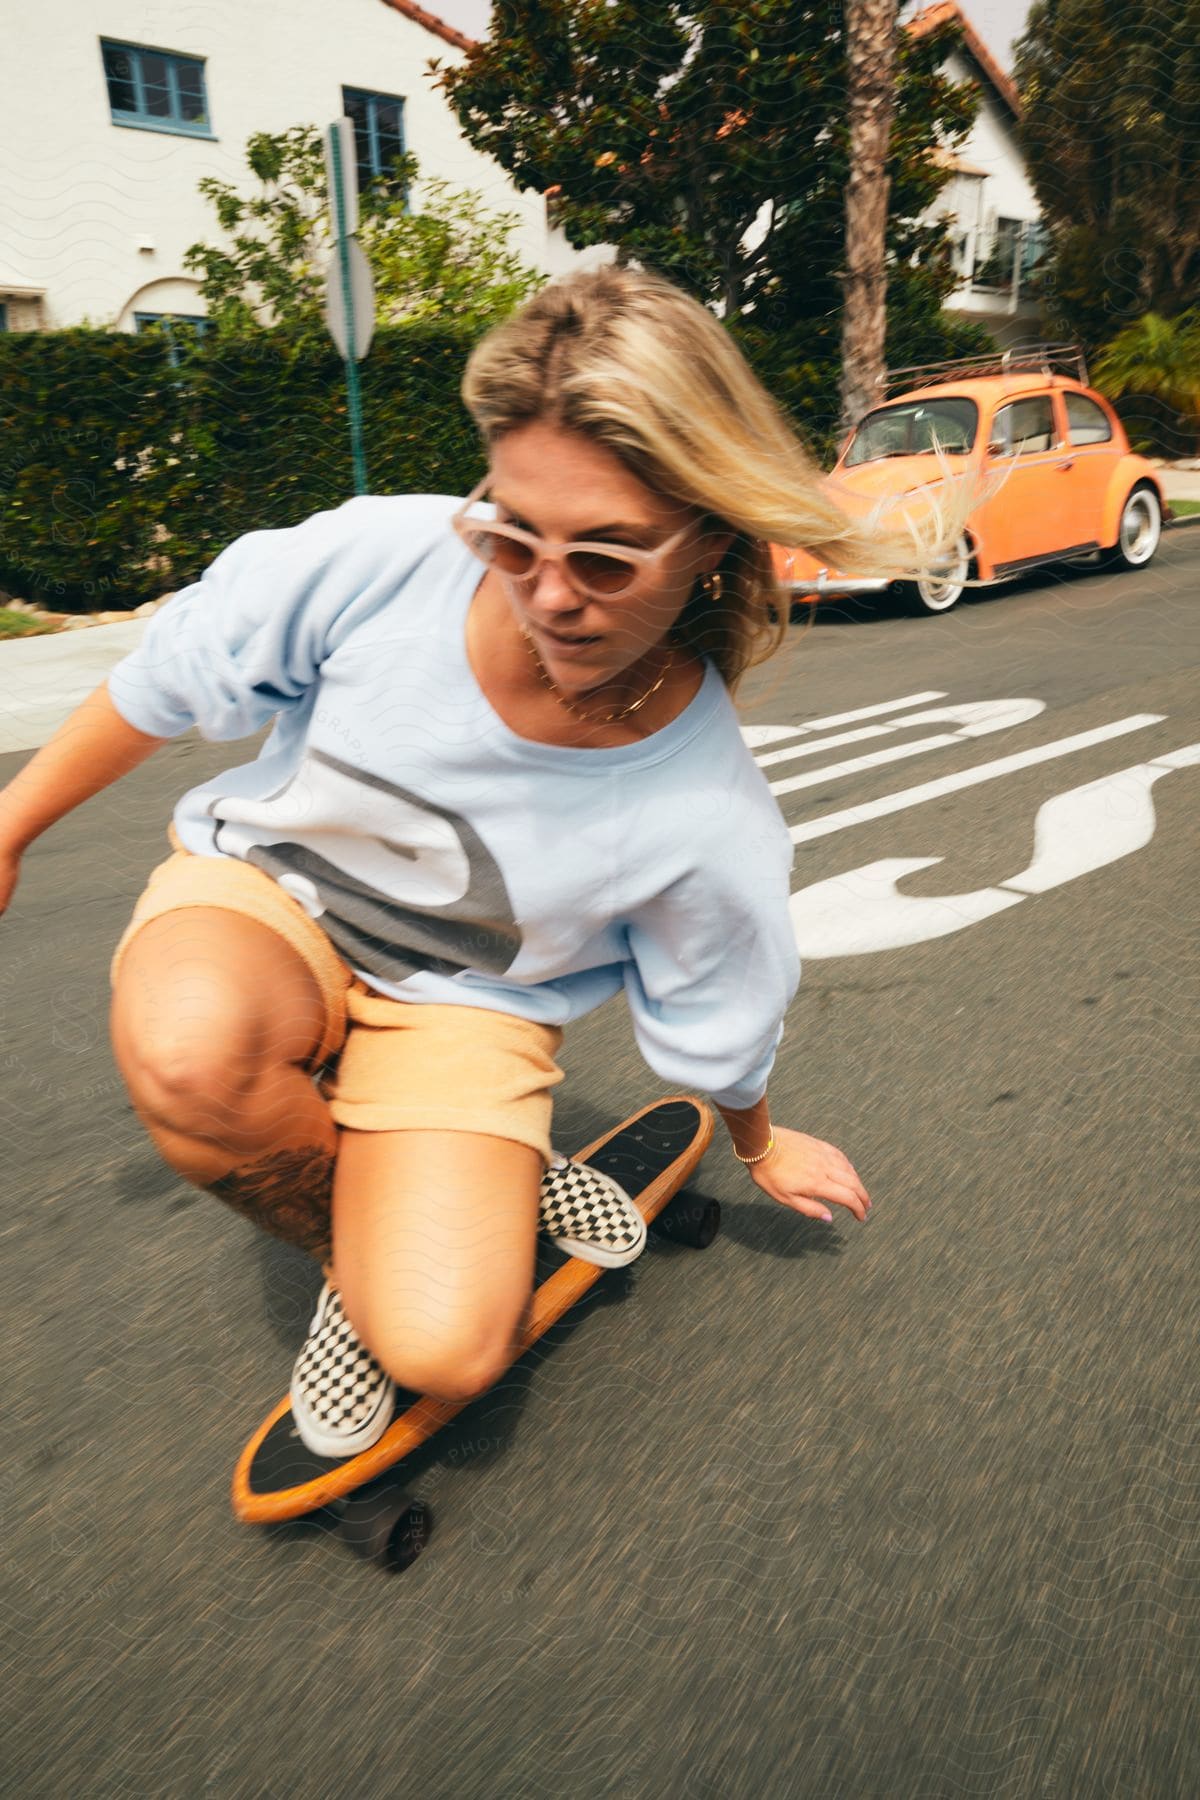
(390,1531)
(690,1220)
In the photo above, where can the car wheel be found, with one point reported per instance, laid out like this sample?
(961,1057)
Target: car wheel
(941,587)
(1138,533)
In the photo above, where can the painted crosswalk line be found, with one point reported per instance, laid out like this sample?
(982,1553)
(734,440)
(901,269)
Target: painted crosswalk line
(972,719)
(756,735)
(845,818)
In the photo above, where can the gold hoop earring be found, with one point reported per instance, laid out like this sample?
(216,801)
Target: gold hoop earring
(712,586)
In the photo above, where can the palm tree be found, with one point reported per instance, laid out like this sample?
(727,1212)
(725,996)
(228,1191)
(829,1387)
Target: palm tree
(871,55)
(1157,357)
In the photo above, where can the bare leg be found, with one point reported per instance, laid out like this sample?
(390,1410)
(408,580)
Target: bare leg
(213,1019)
(435,1236)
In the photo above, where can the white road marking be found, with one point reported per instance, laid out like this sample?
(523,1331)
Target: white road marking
(1075,833)
(861,912)
(876,759)
(826,743)
(975,718)
(966,778)
(1090,826)
(754,735)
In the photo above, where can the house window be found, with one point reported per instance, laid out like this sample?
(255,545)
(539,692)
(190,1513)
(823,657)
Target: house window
(1034,246)
(156,90)
(3,315)
(995,271)
(378,132)
(194,324)
(177,328)
(1018,247)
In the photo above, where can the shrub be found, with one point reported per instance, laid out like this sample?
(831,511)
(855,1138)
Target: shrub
(80,409)
(124,472)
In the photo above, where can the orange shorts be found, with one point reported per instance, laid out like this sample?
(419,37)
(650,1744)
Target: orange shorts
(386,1065)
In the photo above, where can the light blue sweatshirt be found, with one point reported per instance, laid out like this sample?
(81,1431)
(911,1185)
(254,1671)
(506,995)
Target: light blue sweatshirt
(447,858)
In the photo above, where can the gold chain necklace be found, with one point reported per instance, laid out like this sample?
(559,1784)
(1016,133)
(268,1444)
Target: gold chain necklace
(622,712)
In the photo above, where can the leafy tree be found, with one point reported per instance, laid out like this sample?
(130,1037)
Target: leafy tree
(1158,358)
(451,259)
(1110,94)
(709,139)
(871,87)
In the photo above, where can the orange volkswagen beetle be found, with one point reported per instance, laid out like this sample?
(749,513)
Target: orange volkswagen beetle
(1069,486)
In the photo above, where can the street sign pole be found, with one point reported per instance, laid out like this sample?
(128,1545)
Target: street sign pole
(350,348)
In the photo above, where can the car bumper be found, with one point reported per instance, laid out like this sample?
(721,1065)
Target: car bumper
(825,585)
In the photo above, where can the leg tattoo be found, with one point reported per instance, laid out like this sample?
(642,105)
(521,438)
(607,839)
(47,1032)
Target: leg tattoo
(290,1195)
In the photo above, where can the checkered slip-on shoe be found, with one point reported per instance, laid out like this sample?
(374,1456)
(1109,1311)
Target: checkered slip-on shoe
(589,1216)
(342,1401)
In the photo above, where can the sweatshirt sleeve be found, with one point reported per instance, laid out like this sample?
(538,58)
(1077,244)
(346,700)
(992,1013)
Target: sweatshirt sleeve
(713,969)
(248,639)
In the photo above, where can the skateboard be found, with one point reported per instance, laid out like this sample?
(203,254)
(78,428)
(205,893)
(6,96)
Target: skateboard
(278,1478)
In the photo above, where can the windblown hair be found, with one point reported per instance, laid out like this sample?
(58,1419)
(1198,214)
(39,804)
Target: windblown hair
(625,359)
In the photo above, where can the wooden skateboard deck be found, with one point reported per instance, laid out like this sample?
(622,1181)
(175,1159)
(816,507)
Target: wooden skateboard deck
(651,1155)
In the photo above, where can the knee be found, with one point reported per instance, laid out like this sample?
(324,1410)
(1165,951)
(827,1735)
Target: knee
(446,1364)
(186,1083)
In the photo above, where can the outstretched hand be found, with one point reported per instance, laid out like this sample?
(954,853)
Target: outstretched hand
(804,1172)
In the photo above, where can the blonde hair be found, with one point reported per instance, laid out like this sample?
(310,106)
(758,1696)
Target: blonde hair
(629,361)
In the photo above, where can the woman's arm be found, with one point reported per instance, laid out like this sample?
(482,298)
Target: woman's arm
(749,1129)
(798,1171)
(89,751)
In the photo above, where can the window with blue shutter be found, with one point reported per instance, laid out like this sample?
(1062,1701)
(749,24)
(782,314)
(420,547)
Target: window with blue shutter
(378,131)
(155,89)
(177,328)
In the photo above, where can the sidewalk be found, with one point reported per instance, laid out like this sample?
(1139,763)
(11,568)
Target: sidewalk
(1180,484)
(43,679)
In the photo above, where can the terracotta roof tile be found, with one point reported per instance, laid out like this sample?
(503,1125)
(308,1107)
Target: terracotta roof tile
(439,27)
(947,12)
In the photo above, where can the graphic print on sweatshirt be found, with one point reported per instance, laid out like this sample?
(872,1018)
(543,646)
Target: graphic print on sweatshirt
(398,883)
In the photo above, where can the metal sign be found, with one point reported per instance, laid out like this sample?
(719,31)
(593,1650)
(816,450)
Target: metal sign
(349,288)
(362,301)
(341,172)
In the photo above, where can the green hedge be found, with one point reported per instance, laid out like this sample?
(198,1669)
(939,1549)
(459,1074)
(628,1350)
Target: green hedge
(123,472)
(77,411)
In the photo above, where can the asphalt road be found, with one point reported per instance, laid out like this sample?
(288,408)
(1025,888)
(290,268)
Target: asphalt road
(903,1509)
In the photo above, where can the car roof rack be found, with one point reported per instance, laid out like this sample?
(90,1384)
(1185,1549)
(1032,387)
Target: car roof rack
(1019,359)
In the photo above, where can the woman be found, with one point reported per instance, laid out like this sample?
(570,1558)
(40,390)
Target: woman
(505,781)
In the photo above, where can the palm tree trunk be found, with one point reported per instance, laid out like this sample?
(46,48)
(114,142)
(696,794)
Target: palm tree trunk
(871,55)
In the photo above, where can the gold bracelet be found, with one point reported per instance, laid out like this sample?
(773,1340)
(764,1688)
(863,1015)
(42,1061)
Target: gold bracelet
(762,1155)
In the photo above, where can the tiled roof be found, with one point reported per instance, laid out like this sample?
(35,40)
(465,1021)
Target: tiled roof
(947,159)
(947,12)
(439,27)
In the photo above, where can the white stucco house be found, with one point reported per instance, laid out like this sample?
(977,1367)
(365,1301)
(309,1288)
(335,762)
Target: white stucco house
(995,218)
(112,110)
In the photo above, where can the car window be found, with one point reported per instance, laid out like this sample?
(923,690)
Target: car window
(1024,427)
(913,428)
(1087,422)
